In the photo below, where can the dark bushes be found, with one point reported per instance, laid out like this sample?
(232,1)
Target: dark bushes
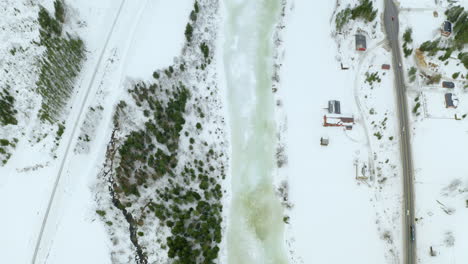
(59,66)
(7,110)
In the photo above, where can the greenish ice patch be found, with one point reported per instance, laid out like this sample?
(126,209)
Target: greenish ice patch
(255,224)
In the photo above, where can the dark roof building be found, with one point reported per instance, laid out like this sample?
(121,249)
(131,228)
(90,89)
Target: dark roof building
(449,101)
(385,66)
(337,107)
(324,141)
(344,66)
(448,84)
(334,107)
(446,29)
(361,42)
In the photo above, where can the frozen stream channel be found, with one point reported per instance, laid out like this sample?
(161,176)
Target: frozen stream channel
(255,225)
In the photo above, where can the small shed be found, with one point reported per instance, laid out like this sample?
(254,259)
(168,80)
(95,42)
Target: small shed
(324,141)
(446,28)
(361,42)
(334,107)
(449,101)
(385,66)
(446,84)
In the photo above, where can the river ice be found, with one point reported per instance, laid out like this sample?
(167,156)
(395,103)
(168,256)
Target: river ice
(255,225)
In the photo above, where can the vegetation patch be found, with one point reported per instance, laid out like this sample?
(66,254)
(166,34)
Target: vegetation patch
(6,148)
(459,17)
(60,64)
(431,47)
(190,204)
(205,50)
(407,39)
(463,57)
(412,74)
(378,135)
(373,77)
(188,32)
(7,110)
(364,10)
(157,175)
(101,212)
(416,108)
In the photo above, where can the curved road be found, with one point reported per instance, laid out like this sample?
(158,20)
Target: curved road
(357,85)
(391,27)
(70,140)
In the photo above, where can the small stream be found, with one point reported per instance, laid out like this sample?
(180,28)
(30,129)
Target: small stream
(255,224)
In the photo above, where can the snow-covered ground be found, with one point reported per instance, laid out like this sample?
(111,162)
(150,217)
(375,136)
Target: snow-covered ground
(342,201)
(72,234)
(438,141)
(131,53)
(28,177)
(335,216)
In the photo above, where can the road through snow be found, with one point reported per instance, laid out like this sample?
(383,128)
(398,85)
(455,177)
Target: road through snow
(392,29)
(255,224)
(71,140)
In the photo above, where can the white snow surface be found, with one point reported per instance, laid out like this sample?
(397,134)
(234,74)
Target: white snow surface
(138,54)
(335,217)
(158,37)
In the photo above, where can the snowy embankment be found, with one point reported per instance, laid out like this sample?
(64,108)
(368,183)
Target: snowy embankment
(29,175)
(345,196)
(132,52)
(438,140)
(160,188)
(18,72)
(71,233)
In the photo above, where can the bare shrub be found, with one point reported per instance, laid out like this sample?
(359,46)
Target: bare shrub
(281,158)
(449,240)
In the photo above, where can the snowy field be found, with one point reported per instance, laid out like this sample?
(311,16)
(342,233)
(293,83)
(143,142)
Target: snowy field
(439,136)
(345,196)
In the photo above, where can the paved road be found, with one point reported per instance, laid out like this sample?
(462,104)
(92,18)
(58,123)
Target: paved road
(391,26)
(70,140)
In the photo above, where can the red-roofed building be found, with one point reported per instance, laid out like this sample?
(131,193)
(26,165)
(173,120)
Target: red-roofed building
(385,66)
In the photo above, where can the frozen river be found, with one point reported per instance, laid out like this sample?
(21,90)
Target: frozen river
(255,225)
